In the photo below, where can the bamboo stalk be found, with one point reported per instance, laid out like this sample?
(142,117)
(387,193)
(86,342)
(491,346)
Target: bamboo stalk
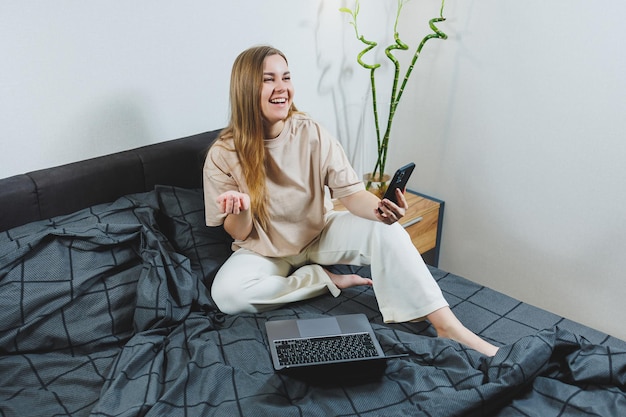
(396,93)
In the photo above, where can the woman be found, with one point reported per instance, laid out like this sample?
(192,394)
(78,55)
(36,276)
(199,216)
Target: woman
(265,179)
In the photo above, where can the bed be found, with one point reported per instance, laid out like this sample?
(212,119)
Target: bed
(105,270)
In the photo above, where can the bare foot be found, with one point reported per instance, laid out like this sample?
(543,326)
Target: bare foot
(348,280)
(449,327)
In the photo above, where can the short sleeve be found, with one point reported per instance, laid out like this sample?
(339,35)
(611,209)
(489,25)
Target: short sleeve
(217,178)
(341,178)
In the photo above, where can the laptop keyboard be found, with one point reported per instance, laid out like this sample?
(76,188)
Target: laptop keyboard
(325,349)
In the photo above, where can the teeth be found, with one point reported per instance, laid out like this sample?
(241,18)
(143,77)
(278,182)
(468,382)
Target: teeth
(278,100)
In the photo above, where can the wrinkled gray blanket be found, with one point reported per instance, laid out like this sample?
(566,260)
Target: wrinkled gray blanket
(106,312)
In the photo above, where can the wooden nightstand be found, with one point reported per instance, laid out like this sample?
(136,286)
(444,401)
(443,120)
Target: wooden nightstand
(423,221)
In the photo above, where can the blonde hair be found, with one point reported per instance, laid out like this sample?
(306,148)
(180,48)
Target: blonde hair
(246,124)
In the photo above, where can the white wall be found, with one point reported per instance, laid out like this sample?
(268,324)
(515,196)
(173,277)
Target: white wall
(525,140)
(86,78)
(515,120)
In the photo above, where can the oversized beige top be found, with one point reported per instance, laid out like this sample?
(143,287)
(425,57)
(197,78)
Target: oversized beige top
(300,162)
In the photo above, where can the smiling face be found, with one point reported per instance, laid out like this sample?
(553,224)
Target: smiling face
(276,94)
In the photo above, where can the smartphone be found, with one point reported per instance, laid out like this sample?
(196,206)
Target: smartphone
(399,180)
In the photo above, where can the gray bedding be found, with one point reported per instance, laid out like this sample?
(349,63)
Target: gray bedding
(107,312)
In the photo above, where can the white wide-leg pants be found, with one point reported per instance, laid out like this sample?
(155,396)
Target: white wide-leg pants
(404,287)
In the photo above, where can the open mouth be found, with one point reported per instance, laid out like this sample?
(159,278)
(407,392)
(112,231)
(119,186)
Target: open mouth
(278,100)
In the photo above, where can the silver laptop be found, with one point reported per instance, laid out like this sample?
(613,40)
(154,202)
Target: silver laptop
(317,343)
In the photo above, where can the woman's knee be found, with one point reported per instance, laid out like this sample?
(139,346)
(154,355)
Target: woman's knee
(390,234)
(230,299)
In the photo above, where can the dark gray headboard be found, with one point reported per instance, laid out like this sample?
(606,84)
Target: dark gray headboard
(64,189)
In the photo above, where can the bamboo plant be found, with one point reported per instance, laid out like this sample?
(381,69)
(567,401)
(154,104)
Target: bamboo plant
(397,88)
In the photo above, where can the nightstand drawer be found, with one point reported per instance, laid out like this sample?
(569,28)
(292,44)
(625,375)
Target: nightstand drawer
(423,230)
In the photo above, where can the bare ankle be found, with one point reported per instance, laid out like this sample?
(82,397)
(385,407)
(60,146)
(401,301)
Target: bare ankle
(449,327)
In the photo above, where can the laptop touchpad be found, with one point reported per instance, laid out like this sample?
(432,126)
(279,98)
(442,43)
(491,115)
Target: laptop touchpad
(318,327)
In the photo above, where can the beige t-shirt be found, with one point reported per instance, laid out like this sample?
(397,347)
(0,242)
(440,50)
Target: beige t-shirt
(299,163)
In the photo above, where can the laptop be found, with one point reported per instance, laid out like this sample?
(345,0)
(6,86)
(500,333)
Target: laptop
(343,345)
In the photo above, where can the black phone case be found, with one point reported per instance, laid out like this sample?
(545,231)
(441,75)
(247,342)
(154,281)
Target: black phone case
(399,180)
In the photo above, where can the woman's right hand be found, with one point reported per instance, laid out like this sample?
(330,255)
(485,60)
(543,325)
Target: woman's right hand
(233,202)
